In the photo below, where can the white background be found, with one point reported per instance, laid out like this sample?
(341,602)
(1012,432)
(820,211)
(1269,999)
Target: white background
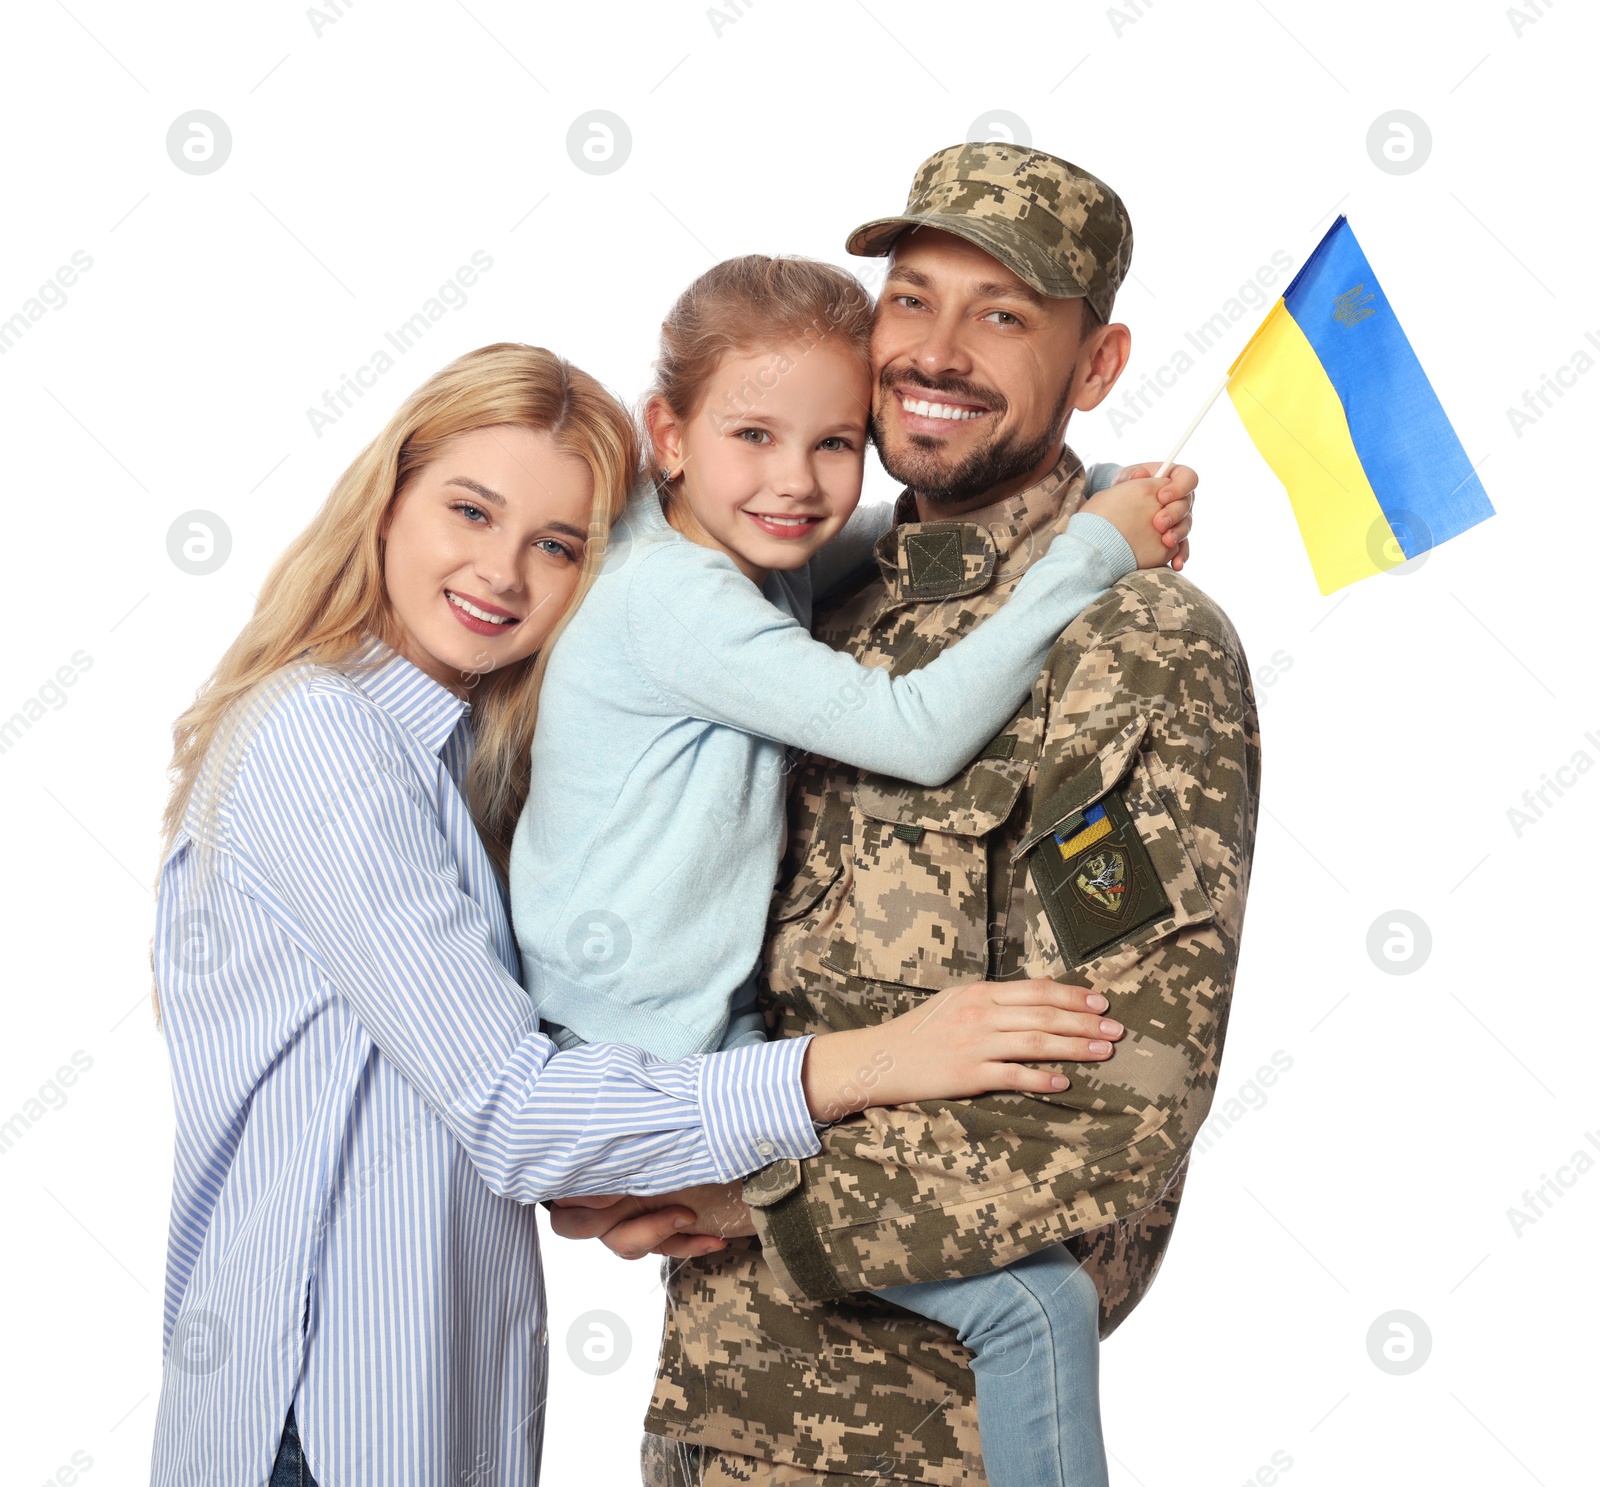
(373,152)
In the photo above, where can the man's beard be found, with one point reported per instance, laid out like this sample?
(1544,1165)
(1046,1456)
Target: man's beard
(993,462)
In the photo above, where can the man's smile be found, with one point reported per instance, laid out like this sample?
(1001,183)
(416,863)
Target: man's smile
(937,407)
(930,411)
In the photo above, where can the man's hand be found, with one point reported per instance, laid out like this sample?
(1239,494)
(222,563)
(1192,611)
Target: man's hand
(683,1225)
(1155,518)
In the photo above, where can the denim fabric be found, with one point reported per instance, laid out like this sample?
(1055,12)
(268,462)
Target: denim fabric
(1034,1332)
(290,1470)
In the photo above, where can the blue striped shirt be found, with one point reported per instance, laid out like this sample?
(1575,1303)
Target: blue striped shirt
(366,1107)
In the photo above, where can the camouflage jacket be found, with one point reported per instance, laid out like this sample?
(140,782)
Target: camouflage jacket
(1103,837)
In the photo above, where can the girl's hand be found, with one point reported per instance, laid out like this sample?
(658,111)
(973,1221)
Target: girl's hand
(959,1043)
(1154,516)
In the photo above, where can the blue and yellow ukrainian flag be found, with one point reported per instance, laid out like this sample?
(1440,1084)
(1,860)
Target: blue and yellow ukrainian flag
(1338,404)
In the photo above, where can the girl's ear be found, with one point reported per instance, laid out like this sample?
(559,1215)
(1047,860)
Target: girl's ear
(666,435)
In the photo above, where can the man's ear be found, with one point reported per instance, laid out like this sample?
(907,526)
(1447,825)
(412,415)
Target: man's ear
(666,434)
(1101,358)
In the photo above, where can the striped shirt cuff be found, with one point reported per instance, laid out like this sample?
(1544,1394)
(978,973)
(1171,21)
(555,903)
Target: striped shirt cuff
(753,1106)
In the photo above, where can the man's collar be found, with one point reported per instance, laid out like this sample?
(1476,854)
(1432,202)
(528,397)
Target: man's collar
(425,709)
(930,560)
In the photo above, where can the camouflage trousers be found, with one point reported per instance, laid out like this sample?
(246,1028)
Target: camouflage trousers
(670,1463)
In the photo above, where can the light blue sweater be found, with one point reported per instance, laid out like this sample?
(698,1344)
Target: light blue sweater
(644,860)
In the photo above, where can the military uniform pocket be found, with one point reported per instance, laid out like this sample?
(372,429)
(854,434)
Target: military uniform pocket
(921,868)
(1107,857)
(796,898)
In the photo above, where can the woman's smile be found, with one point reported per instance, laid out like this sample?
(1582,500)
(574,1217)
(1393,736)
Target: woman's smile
(498,510)
(479,616)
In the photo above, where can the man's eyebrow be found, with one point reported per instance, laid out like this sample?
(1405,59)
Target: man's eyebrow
(494,498)
(993,290)
(987,289)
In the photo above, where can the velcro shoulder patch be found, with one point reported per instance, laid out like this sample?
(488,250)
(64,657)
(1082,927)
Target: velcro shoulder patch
(934,562)
(1095,879)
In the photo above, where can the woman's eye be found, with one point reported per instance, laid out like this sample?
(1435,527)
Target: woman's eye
(468,510)
(556,548)
(754,436)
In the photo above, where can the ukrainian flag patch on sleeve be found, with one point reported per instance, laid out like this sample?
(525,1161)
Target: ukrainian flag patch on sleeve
(1082,830)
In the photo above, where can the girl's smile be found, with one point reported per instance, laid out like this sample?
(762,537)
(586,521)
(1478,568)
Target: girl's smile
(770,460)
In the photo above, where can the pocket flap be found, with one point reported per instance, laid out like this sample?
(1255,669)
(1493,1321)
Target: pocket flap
(1096,777)
(976,802)
(804,891)
(1108,859)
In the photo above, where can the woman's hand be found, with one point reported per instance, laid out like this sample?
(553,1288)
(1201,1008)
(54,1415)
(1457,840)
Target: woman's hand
(959,1043)
(682,1225)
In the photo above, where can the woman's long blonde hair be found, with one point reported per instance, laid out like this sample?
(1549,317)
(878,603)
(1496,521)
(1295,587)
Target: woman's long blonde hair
(326,594)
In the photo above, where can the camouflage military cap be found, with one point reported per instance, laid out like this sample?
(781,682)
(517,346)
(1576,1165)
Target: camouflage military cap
(1055,226)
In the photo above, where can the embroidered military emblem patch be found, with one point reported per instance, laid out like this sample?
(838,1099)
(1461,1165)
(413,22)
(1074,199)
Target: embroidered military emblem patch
(1102,880)
(1094,876)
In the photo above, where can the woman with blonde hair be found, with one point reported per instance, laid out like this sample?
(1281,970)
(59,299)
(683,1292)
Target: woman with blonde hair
(366,1106)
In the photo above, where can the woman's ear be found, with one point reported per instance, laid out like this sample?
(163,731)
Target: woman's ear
(387,519)
(666,435)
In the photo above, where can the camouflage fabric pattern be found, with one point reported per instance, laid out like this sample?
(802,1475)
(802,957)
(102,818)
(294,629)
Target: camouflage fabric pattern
(1058,228)
(669,1463)
(778,1351)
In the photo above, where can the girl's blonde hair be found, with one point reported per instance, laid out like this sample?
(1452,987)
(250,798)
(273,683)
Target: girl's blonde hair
(748,304)
(326,593)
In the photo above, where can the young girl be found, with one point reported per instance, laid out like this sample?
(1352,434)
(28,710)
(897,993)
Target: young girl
(366,1108)
(643,864)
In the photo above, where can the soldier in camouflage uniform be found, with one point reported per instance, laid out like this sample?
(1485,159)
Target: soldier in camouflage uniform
(1104,837)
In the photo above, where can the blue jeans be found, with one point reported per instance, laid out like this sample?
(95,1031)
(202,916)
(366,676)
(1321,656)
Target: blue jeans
(1034,1332)
(289,1470)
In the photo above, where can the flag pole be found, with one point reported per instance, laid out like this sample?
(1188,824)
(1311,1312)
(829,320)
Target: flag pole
(1216,392)
(1183,438)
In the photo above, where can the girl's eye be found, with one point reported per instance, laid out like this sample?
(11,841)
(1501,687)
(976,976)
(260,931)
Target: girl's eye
(758,436)
(556,548)
(468,510)
(835,444)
